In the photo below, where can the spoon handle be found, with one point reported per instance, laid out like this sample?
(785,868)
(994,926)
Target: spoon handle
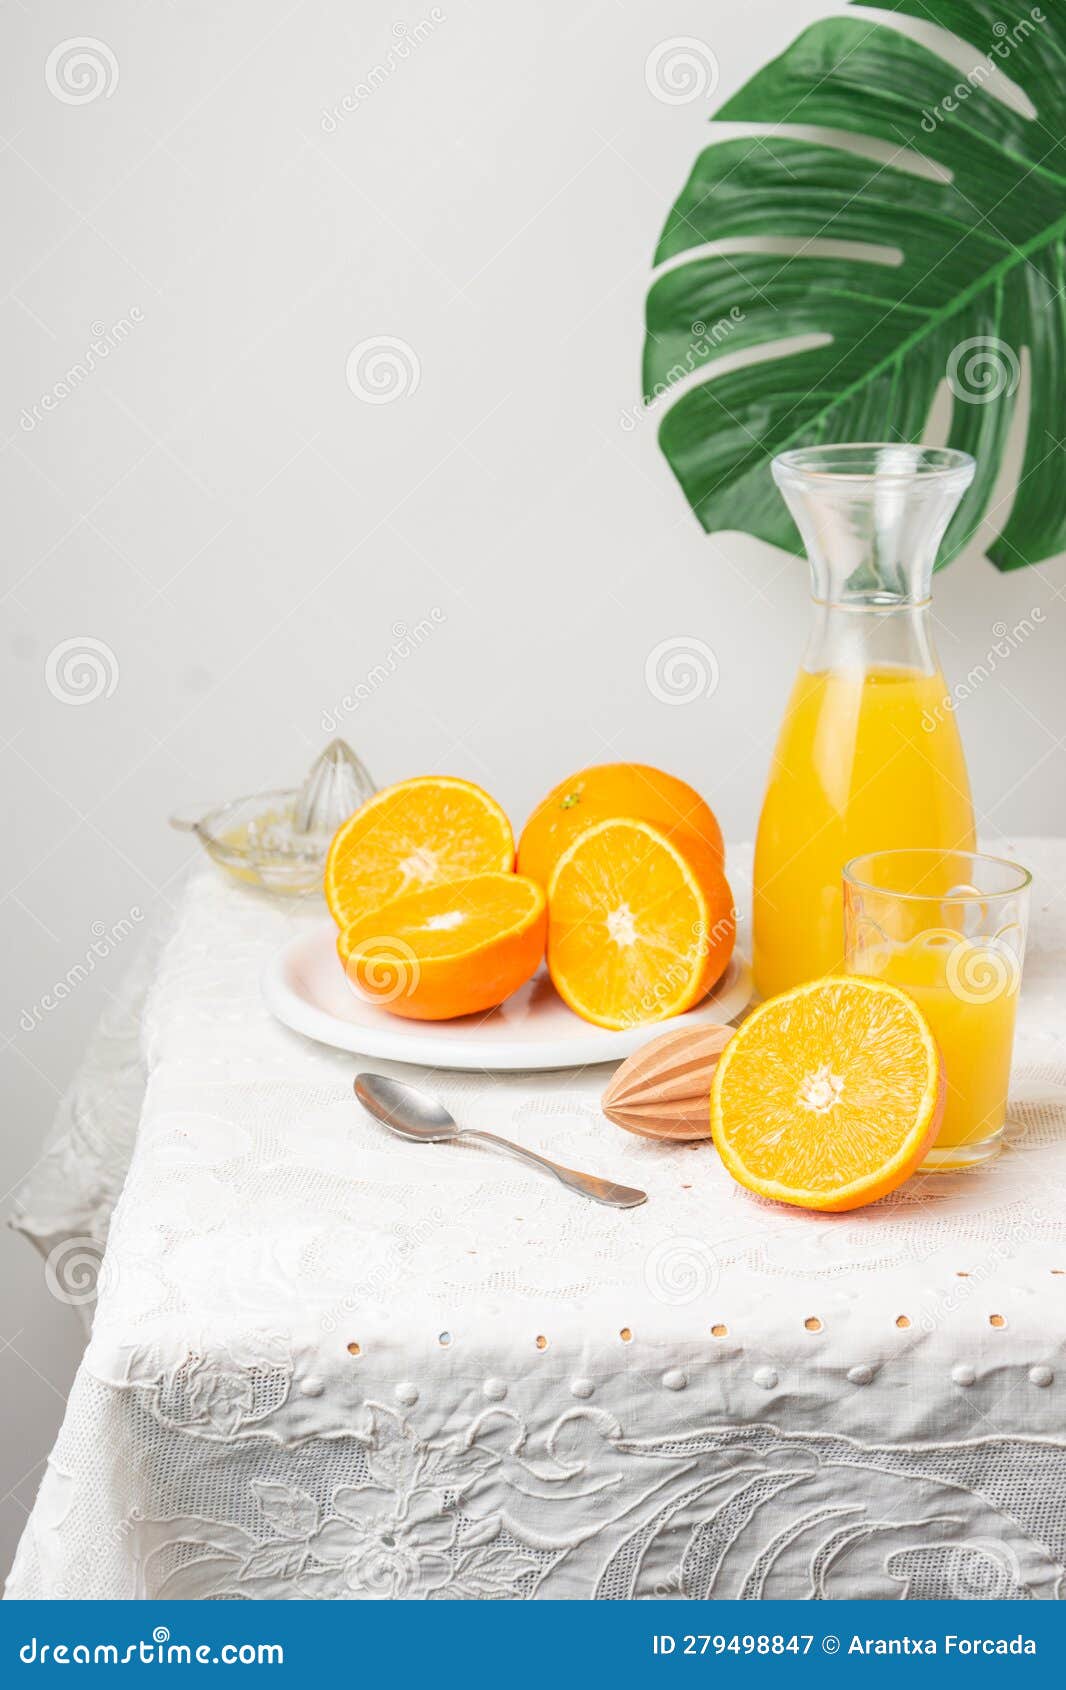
(600,1190)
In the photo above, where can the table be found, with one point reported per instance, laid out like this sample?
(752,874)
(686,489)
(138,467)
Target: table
(326,1364)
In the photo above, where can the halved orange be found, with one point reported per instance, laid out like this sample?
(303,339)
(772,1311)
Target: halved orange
(417,833)
(456,948)
(828,1096)
(640,923)
(606,790)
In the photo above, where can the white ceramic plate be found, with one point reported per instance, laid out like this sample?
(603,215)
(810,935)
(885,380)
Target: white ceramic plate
(306,989)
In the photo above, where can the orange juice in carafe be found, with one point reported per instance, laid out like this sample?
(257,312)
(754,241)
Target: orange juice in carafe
(863,762)
(869,755)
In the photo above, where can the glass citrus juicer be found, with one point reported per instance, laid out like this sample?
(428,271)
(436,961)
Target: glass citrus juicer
(869,756)
(278,840)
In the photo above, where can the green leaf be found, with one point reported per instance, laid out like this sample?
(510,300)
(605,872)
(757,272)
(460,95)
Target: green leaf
(972,270)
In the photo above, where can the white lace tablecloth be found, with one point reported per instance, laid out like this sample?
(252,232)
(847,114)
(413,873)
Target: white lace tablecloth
(326,1364)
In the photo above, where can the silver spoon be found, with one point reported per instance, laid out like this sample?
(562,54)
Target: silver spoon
(418,1115)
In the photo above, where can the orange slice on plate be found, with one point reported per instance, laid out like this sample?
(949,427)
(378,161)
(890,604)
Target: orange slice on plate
(415,834)
(828,1096)
(640,923)
(606,790)
(456,948)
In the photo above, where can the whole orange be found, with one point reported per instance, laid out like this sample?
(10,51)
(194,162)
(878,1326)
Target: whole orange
(603,792)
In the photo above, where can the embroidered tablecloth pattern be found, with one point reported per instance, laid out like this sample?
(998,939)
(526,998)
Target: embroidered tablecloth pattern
(326,1364)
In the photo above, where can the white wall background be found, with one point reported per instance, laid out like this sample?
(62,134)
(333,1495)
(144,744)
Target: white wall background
(245,534)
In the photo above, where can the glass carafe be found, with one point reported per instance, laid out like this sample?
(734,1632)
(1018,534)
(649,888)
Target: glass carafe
(869,756)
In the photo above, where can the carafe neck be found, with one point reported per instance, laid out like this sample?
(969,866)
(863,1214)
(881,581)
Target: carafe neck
(855,637)
(872,519)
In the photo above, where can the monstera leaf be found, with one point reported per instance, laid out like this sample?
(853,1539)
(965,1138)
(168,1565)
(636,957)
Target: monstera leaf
(971,269)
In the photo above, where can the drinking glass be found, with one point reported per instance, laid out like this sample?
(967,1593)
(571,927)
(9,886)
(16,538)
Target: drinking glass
(950,928)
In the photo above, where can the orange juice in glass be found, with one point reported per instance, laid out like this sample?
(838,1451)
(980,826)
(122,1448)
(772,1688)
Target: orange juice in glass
(949,927)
